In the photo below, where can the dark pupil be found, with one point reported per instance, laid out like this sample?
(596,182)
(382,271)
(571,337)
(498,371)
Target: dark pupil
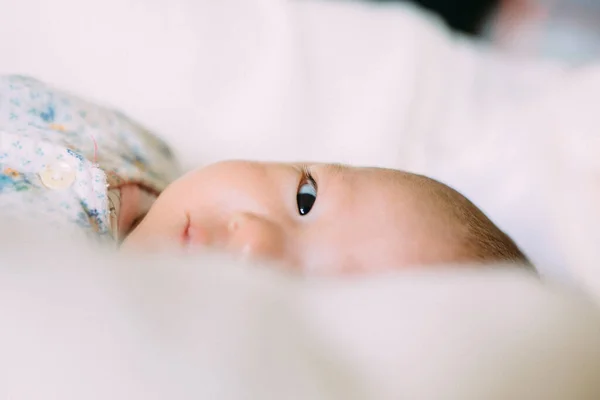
(305,202)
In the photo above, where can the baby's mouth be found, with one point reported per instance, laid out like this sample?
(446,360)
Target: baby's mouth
(194,239)
(186,238)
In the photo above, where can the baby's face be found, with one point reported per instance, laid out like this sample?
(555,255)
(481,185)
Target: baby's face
(326,218)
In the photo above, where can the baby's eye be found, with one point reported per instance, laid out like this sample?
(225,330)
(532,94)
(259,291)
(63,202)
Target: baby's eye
(307,195)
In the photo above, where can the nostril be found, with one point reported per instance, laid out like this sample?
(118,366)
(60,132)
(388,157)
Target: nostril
(240,221)
(234,224)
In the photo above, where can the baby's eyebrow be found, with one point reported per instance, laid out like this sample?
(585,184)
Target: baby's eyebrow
(336,168)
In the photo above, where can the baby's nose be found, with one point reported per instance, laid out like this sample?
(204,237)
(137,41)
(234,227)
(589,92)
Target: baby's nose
(254,236)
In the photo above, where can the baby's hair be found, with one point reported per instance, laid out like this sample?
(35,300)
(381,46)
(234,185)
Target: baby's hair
(480,239)
(486,242)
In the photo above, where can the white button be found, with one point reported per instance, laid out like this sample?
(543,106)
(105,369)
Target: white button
(59,175)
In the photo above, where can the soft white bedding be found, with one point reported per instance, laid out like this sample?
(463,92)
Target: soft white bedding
(328,81)
(88,325)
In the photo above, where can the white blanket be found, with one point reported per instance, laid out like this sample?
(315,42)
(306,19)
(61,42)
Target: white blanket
(85,325)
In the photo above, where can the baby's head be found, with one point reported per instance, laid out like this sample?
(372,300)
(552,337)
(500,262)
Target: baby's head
(330,217)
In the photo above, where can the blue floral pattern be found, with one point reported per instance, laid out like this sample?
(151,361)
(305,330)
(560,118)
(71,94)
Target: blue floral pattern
(41,126)
(11,180)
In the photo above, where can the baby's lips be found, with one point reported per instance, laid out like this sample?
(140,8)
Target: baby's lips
(194,238)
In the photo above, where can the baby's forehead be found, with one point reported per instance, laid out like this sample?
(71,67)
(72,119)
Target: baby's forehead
(403,180)
(381,178)
(368,189)
(340,168)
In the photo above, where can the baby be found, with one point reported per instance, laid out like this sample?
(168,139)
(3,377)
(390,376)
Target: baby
(331,217)
(71,164)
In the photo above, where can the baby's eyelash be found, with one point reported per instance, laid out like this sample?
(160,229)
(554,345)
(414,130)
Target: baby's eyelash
(307,176)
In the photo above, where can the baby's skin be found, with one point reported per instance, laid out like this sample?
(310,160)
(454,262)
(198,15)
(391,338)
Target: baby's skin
(320,217)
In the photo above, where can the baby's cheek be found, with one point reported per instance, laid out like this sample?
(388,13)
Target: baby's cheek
(163,229)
